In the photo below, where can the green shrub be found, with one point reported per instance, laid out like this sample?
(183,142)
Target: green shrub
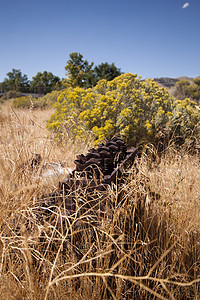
(51,98)
(138,110)
(28,102)
(184,123)
(11,95)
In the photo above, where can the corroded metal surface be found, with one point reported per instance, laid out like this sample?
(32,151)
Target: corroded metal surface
(94,171)
(102,165)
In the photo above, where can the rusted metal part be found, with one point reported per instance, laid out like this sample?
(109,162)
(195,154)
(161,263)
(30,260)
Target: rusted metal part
(83,198)
(94,172)
(131,153)
(100,166)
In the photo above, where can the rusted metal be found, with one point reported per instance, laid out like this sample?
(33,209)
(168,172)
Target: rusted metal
(94,171)
(131,153)
(102,165)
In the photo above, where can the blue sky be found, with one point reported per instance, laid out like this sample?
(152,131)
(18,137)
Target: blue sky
(153,38)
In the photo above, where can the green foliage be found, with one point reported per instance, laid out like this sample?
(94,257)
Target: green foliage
(11,95)
(106,71)
(77,70)
(51,98)
(42,83)
(45,82)
(137,110)
(16,81)
(82,74)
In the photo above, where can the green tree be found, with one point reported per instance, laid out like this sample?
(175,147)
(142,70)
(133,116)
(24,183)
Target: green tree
(106,71)
(78,71)
(102,71)
(2,87)
(16,81)
(45,82)
(82,74)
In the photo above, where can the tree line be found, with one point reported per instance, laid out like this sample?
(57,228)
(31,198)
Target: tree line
(79,71)
(42,83)
(83,74)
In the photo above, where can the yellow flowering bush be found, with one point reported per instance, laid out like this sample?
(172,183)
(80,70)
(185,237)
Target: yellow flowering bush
(28,102)
(66,121)
(185,120)
(138,110)
(50,98)
(22,102)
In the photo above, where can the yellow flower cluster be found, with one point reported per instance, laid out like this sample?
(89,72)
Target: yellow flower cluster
(135,109)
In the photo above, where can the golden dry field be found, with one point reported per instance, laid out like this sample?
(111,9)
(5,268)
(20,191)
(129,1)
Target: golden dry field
(145,246)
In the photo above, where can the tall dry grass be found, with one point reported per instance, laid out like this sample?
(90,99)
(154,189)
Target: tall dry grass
(138,240)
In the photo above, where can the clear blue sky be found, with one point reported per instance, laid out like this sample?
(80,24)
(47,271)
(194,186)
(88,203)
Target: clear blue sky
(153,38)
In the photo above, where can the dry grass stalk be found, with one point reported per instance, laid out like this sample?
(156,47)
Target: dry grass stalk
(145,246)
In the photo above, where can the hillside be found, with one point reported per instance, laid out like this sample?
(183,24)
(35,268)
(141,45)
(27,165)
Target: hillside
(169,82)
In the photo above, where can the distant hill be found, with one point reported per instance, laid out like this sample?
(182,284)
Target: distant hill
(184,78)
(170,82)
(166,81)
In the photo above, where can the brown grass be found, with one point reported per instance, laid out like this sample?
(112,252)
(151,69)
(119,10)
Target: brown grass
(145,246)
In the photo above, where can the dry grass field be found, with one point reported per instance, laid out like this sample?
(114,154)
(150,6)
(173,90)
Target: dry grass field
(145,246)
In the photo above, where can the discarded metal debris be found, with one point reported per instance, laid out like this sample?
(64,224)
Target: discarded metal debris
(102,165)
(85,193)
(83,199)
(94,171)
